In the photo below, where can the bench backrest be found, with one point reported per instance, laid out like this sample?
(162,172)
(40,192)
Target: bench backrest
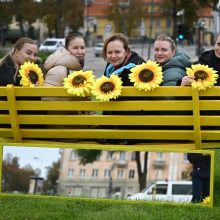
(146,116)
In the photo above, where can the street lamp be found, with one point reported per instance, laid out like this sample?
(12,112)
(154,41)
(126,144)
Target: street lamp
(200,27)
(41,163)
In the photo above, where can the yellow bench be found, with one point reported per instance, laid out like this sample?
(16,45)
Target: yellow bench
(174,123)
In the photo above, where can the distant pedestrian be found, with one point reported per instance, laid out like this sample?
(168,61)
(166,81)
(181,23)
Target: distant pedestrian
(200,176)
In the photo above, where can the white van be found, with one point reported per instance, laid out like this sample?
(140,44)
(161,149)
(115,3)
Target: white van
(52,44)
(172,191)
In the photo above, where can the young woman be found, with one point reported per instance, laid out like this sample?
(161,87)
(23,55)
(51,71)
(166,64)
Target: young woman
(173,61)
(24,50)
(120,59)
(64,60)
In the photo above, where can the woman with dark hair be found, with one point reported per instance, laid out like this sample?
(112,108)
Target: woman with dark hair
(24,49)
(64,60)
(120,59)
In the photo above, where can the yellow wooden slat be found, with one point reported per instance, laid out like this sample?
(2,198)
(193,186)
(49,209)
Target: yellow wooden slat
(112,105)
(13,113)
(109,133)
(127,91)
(106,120)
(210,135)
(210,104)
(4,119)
(214,91)
(3,105)
(210,120)
(6,132)
(196,116)
(3,91)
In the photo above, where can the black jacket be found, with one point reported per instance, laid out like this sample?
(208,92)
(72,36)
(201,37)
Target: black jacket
(201,164)
(124,75)
(8,72)
(209,58)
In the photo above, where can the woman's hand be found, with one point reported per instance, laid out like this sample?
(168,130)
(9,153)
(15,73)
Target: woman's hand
(187,80)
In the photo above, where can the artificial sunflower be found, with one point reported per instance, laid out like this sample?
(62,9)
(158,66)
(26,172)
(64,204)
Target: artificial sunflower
(79,83)
(204,76)
(146,76)
(206,201)
(105,88)
(31,75)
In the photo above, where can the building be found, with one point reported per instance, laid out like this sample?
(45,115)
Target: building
(154,22)
(114,174)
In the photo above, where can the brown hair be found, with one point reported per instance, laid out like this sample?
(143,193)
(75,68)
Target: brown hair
(117,36)
(71,37)
(165,37)
(20,43)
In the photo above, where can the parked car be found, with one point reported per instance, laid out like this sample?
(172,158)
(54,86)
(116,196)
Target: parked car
(98,49)
(172,191)
(52,44)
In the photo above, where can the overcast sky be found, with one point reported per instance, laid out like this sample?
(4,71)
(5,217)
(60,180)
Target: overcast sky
(36,156)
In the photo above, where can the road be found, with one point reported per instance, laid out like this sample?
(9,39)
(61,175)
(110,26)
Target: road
(97,64)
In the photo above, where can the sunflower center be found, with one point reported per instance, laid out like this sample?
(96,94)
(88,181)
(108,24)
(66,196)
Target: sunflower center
(200,75)
(146,75)
(107,87)
(33,77)
(78,80)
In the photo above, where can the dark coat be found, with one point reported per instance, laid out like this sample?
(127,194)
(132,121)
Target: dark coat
(124,74)
(8,72)
(209,58)
(201,165)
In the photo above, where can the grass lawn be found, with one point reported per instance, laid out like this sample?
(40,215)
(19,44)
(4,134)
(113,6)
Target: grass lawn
(16,207)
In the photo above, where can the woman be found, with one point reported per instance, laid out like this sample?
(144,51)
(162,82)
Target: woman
(64,60)
(173,61)
(210,58)
(120,59)
(24,50)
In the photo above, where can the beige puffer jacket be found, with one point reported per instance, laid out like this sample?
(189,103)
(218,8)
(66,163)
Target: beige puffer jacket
(58,65)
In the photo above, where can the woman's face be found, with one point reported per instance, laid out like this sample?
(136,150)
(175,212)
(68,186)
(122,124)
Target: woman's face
(217,47)
(27,53)
(163,51)
(77,48)
(115,53)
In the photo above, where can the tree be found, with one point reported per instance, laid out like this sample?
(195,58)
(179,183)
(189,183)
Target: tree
(59,14)
(126,16)
(88,156)
(50,184)
(190,11)
(14,177)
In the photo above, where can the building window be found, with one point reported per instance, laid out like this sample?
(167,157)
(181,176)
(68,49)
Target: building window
(109,155)
(120,174)
(73,155)
(70,173)
(82,173)
(107,173)
(131,174)
(159,156)
(122,155)
(133,156)
(95,173)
